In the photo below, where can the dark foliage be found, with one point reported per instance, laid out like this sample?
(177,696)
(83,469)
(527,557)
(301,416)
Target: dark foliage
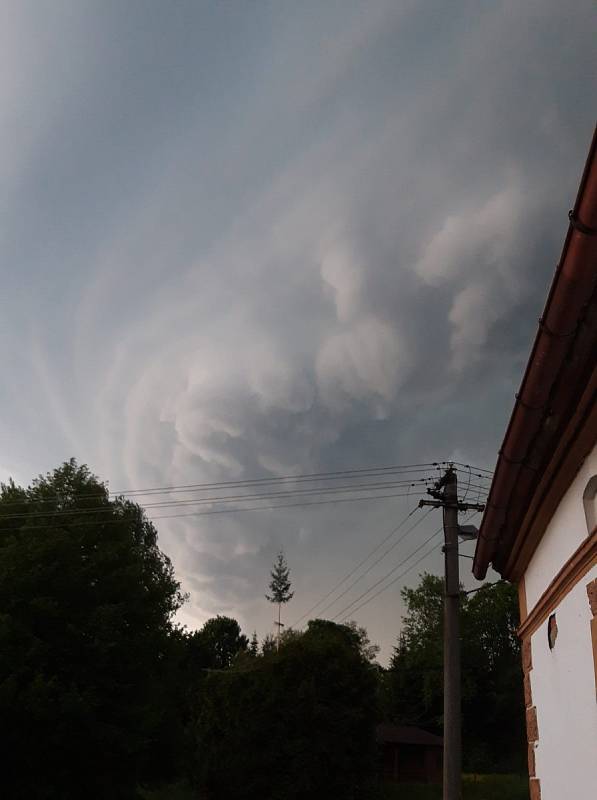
(102,696)
(86,651)
(217,644)
(492,702)
(293,724)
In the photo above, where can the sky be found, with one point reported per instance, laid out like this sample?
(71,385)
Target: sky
(254,239)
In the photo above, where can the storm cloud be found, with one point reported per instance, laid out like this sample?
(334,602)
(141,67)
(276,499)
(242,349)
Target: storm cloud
(251,239)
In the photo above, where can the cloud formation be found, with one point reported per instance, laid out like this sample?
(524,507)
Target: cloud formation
(246,240)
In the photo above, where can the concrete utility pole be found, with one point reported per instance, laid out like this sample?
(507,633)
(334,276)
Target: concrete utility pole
(280,625)
(452,721)
(446,492)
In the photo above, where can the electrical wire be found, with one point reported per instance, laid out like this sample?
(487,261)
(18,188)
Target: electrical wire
(228,498)
(333,500)
(305,477)
(387,575)
(352,572)
(395,580)
(405,572)
(468,486)
(476,469)
(375,563)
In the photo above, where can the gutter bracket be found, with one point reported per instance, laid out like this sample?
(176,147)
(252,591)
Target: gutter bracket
(580,226)
(543,326)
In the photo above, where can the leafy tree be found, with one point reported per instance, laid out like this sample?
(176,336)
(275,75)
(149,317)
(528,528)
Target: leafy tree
(280,586)
(491,653)
(416,669)
(353,634)
(222,640)
(87,644)
(293,724)
(368,650)
(492,705)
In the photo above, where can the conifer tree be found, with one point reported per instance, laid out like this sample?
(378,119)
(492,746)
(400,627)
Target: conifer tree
(280,587)
(254,646)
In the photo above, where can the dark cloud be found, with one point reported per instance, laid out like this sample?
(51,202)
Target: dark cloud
(264,239)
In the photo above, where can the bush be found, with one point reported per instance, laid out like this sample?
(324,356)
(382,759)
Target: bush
(291,725)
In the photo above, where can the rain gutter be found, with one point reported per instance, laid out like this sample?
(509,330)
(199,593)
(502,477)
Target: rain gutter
(561,349)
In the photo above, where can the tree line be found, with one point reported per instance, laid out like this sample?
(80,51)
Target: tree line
(103,695)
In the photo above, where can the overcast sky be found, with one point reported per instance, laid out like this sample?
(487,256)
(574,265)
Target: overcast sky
(242,239)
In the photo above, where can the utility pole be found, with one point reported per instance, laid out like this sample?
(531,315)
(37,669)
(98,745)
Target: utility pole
(279,625)
(446,493)
(452,721)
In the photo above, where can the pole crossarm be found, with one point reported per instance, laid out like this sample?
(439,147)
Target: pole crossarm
(459,506)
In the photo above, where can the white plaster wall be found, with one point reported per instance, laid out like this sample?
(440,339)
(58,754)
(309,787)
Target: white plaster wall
(563,535)
(563,689)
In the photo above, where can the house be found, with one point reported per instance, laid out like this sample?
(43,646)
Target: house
(539,527)
(409,755)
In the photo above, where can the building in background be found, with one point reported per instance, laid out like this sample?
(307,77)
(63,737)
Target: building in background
(409,755)
(539,528)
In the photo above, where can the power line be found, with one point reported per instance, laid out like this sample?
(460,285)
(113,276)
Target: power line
(476,469)
(352,572)
(375,563)
(290,493)
(305,477)
(288,505)
(387,575)
(474,473)
(468,486)
(396,579)
(333,500)
(230,498)
(313,476)
(406,571)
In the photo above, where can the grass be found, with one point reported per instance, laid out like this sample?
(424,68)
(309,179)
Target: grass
(474,787)
(176,791)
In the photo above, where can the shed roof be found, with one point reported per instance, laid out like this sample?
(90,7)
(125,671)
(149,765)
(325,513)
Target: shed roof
(403,734)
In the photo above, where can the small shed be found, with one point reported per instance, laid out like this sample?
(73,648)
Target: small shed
(409,755)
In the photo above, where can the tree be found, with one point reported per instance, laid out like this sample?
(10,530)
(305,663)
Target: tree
(293,724)
(354,635)
(280,587)
(415,682)
(254,645)
(222,640)
(86,641)
(491,653)
(494,739)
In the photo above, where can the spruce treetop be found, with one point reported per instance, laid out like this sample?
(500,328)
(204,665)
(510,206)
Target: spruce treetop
(280,583)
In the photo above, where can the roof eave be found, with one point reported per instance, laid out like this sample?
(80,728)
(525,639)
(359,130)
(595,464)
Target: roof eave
(529,436)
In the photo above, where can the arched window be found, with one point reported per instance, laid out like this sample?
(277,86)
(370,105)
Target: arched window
(589,499)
